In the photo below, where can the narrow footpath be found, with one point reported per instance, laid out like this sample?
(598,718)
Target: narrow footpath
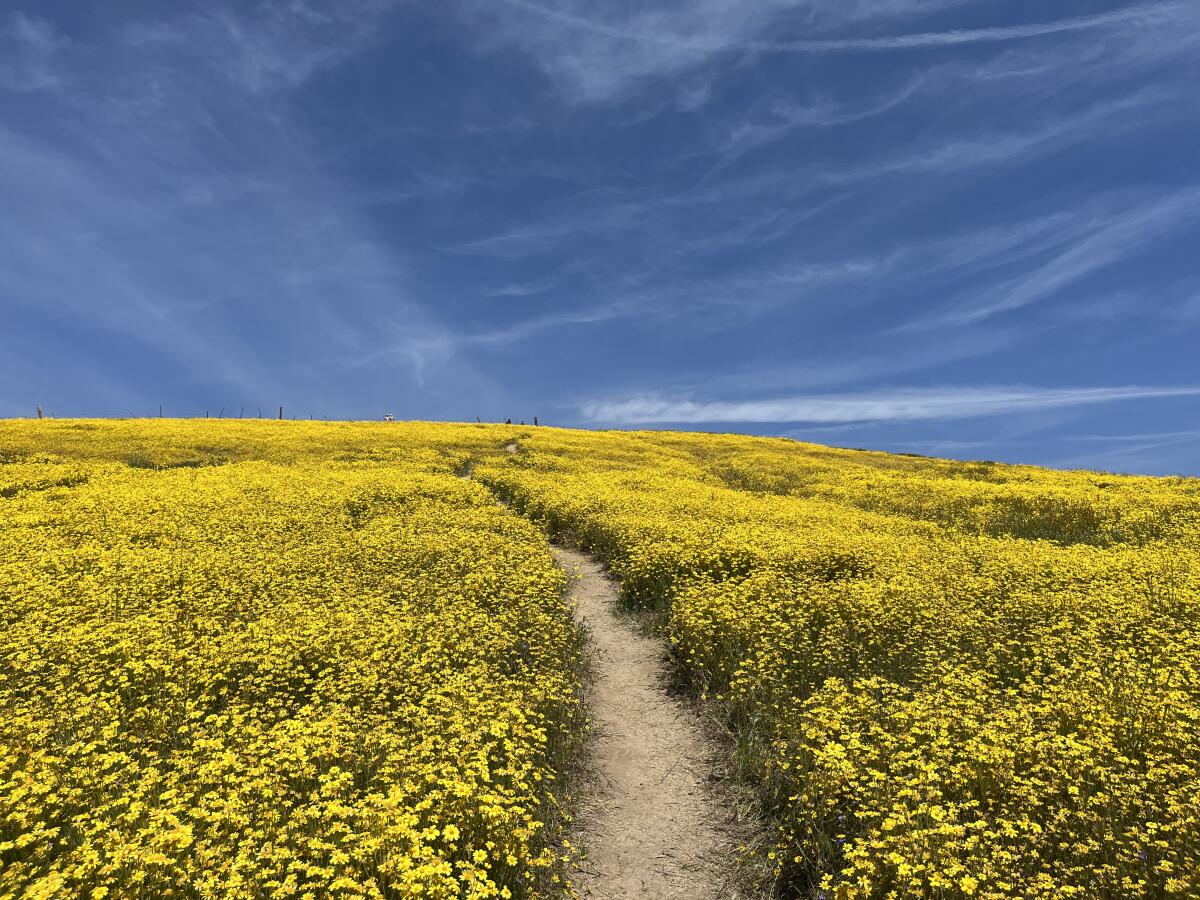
(653,826)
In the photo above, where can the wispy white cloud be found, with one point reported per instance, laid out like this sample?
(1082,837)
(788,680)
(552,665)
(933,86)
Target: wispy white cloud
(1002,148)
(282,45)
(1121,234)
(857,362)
(714,301)
(524,288)
(1138,438)
(425,347)
(794,194)
(1136,452)
(176,214)
(782,117)
(593,212)
(275,45)
(873,406)
(1044,76)
(554,280)
(710,43)
(29,49)
(697,303)
(598,54)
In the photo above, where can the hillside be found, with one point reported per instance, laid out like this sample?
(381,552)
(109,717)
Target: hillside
(249,658)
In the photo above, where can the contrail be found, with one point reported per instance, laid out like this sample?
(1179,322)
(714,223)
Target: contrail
(1155,12)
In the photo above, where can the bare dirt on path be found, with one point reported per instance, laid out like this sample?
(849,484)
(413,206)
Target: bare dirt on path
(652,826)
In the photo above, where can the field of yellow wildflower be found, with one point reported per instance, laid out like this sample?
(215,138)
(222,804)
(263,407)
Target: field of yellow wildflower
(949,679)
(274,660)
(259,659)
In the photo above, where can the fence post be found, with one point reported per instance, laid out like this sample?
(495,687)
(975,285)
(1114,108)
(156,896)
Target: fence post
(281,413)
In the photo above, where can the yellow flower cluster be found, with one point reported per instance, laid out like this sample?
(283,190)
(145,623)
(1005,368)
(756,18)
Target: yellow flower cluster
(251,659)
(275,659)
(949,679)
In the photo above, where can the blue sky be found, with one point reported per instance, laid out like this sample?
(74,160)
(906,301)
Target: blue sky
(957,227)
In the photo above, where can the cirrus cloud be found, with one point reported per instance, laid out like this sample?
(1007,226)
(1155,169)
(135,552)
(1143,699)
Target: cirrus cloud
(902,404)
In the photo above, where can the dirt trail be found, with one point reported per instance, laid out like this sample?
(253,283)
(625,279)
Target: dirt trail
(653,826)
